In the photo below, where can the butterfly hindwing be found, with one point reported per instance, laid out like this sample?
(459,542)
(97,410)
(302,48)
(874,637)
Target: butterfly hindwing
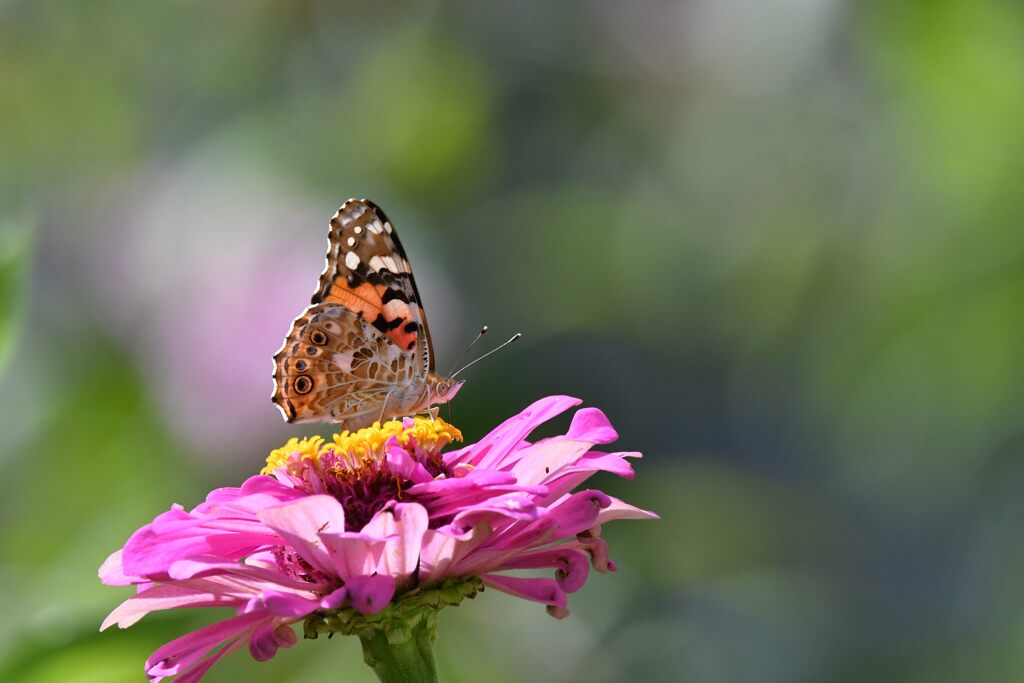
(368,273)
(335,366)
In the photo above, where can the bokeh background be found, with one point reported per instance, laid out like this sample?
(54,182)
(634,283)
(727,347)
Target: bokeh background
(779,243)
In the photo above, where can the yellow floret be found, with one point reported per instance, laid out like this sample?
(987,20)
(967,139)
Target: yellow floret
(366,443)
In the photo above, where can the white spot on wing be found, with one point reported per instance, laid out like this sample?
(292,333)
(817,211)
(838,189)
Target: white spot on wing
(376,263)
(351,241)
(358,230)
(351,260)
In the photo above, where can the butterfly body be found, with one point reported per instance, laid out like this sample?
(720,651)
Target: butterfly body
(361,352)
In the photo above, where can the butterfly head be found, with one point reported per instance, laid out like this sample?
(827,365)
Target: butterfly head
(444,390)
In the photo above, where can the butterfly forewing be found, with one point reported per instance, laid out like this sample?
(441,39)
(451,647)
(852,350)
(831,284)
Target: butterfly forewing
(367,272)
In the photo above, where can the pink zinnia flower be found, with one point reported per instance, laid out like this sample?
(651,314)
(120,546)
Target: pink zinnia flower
(374,532)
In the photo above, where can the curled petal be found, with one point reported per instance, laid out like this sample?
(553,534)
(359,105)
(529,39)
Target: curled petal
(570,516)
(558,612)
(539,590)
(183,653)
(571,566)
(597,548)
(267,638)
(194,674)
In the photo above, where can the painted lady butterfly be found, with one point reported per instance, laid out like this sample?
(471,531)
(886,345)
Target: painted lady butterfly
(361,351)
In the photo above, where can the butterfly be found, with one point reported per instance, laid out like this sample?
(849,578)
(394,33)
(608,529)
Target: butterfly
(361,351)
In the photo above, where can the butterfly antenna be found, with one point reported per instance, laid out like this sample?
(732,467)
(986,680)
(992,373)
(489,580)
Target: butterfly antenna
(514,337)
(483,331)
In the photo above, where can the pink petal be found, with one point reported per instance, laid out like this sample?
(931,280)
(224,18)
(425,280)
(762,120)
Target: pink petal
(181,653)
(572,566)
(558,612)
(494,511)
(267,638)
(403,464)
(539,461)
(442,553)
(475,480)
(617,509)
(300,524)
(406,523)
(242,573)
(574,514)
(150,557)
(370,594)
(112,571)
(282,604)
(597,548)
(256,493)
(353,554)
(334,599)
(590,424)
(568,478)
(199,670)
(443,497)
(176,535)
(491,451)
(538,590)
(168,596)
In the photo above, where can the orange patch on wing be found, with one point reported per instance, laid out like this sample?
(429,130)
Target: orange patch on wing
(364,299)
(367,301)
(405,340)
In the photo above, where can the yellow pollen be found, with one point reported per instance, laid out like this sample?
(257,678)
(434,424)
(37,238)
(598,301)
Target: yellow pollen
(356,448)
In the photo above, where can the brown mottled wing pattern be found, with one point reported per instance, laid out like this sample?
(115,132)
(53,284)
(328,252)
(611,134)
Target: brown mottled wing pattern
(335,366)
(367,272)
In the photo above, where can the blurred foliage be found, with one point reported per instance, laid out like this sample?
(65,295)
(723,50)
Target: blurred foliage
(15,241)
(779,243)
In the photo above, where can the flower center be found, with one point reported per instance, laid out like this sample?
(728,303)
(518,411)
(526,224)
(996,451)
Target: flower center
(363,470)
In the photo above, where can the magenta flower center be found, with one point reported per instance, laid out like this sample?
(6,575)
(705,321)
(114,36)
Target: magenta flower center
(364,490)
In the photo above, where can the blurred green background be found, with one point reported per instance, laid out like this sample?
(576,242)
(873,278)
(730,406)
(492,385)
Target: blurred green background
(779,243)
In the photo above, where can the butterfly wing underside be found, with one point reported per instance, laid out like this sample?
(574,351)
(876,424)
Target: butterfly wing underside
(336,367)
(364,338)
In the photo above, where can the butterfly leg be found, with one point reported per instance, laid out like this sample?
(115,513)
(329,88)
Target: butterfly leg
(383,407)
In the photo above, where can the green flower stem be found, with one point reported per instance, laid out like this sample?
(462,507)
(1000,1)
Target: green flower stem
(398,640)
(408,661)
